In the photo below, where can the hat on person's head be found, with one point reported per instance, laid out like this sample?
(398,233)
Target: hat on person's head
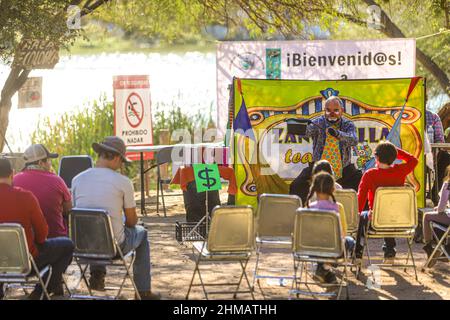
(112,144)
(37,152)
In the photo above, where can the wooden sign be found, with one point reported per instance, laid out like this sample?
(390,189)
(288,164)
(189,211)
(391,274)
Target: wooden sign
(36,54)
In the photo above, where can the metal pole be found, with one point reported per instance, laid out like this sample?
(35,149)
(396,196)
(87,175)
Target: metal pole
(143,212)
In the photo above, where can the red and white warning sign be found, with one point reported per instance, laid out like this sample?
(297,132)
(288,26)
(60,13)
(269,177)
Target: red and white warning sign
(132,110)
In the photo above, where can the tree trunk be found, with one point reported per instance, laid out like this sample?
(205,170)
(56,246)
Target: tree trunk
(391,30)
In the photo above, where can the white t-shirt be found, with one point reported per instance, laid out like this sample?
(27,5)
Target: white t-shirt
(102,188)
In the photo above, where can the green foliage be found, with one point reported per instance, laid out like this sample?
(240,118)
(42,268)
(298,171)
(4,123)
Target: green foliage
(170,116)
(35,19)
(74,132)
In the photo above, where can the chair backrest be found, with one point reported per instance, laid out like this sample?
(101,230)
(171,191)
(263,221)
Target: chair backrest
(394,208)
(349,199)
(275,215)
(317,233)
(70,166)
(92,233)
(14,255)
(231,229)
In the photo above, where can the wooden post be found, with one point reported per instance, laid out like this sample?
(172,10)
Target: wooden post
(164,139)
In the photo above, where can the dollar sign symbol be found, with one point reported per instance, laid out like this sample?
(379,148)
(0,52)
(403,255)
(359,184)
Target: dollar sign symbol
(204,174)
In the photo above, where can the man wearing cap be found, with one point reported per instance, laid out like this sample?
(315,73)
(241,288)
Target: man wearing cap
(21,206)
(50,190)
(104,188)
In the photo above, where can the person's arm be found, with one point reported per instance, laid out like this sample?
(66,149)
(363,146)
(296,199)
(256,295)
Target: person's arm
(38,222)
(348,135)
(131,218)
(410,161)
(363,189)
(67,207)
(129,204)
(66,197)
(445,192)
(312,129)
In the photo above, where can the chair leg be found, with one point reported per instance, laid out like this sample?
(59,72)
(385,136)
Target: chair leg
(244,266)
(162,197)
(197,262)
(158,184)
(83,276)
(409,241)
(440,242)
(128,274)
(255,272)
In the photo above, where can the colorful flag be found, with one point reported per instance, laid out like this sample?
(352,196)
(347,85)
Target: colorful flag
(394,133)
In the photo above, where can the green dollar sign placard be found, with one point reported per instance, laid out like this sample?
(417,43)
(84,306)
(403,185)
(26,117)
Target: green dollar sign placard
(207,177)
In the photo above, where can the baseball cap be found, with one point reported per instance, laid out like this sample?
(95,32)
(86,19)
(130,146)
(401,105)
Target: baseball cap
(37,152)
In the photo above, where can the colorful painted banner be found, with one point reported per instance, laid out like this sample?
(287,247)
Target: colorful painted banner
(278,157)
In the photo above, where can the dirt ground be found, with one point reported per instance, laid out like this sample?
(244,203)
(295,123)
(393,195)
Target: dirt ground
(173,265)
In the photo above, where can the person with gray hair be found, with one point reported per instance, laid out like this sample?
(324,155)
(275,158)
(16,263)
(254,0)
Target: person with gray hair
(333,138)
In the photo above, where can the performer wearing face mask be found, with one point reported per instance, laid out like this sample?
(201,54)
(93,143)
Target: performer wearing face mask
(333,137)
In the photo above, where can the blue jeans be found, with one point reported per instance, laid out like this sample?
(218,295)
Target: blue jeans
(389,243)
(56,252)
(135,238)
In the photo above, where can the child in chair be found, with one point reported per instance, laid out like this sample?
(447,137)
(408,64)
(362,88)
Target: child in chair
(323,187)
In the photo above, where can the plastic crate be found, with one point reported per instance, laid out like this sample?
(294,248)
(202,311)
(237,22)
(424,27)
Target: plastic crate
(182,230)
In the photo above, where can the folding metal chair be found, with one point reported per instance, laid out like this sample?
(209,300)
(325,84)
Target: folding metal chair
(274,227)
(71,166)
(162,157)
(231,238)
(95,244)
(17,266)
(349,199)
(317,238)
(394,216)
(441,243)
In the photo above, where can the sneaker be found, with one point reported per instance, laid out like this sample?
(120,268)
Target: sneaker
(358,252)
(57,291)
(148,295)
(389,256)
(428,248)
(97,281)
(36,295)
(324,276)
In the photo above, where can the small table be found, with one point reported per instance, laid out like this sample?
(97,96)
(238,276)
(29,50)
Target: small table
(156,148)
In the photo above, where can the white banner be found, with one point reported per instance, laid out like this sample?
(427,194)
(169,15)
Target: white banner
(132,110)
(310,60)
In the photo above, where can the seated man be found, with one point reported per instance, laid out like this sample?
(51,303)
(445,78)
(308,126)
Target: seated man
(21,206)
(385,174)
(50,190)
(104,188)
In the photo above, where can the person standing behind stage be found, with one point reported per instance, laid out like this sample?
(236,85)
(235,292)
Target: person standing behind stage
(333,138)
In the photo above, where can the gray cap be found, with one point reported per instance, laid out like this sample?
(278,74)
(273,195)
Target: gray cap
(37,152)
(112,144)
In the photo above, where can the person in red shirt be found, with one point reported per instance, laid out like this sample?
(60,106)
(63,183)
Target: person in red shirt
(50,190)
(21,206)
(385,174)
